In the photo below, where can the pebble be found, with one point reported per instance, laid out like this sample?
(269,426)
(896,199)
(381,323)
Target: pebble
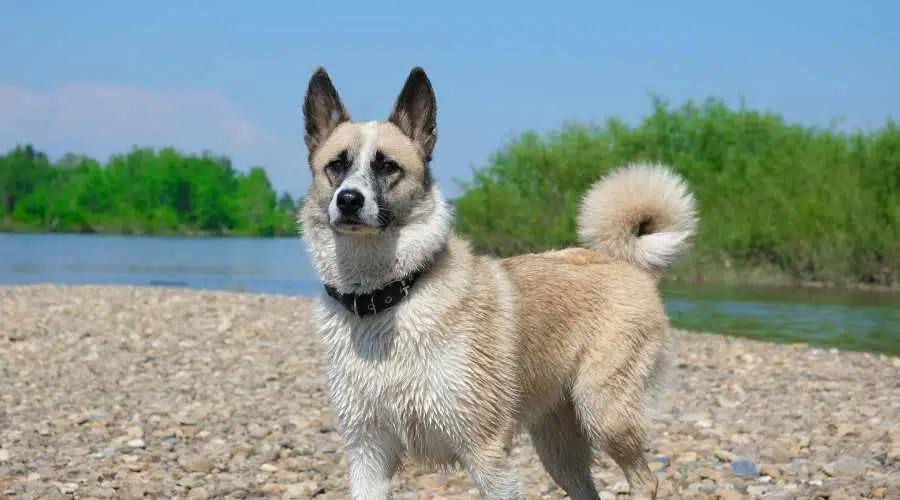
(67,488)
(136,443)
(744,467)
(769,470)
(199,465)
(123,392)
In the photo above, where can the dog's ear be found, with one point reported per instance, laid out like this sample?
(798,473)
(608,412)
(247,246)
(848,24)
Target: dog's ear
(415,112)
(322,109)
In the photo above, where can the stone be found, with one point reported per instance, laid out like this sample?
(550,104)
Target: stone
(744,467)
(845,466)
(67,488)
(201,465)
(770,470)
(136,443)
(724,456)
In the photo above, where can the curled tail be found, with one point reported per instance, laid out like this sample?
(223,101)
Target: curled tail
(641,213)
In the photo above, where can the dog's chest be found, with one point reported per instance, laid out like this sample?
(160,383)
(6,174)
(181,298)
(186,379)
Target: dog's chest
(402,374)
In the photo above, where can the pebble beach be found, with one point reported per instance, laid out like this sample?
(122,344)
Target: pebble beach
(130,392)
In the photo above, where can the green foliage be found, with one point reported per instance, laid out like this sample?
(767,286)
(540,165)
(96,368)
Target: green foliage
(808,204)
(144,191)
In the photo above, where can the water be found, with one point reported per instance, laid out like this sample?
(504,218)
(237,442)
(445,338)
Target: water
(867,321)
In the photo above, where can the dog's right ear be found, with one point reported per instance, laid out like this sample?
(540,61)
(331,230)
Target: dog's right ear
(322,110)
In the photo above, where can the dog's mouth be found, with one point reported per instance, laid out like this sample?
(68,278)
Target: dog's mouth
(355,225)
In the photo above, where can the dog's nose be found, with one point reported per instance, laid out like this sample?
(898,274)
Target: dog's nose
(349,201)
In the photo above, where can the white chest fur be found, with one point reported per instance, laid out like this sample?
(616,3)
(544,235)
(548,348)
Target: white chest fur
(396,376)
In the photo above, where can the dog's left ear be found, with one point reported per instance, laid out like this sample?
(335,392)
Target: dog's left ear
(415,112)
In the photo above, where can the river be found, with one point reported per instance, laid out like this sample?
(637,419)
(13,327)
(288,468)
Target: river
(857,320)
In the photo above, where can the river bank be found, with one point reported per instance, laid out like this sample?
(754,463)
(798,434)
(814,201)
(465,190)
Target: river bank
(118,392)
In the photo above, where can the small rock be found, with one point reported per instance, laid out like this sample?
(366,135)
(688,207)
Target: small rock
(708,486)
(256,431)
(877,492)
(757,490)
(268,468)
(4,456)
(837,494)
(688,456)
(67,488)
(199,465)
(302,490)
(724,456)
(136,443)
(770,470)
(744,467)
(892,455)
(710,473)
(200,493)
(845,466)
(607,495)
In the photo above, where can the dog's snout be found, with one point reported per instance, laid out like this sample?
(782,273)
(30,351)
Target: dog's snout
(350,201)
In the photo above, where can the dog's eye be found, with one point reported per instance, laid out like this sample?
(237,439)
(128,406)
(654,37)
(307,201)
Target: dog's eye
(388,167)
(335,166)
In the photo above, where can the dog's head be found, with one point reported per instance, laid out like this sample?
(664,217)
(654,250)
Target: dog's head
(368,177)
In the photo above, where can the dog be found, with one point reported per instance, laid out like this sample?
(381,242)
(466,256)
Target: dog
(441,355)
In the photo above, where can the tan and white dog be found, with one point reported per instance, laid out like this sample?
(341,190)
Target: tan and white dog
(437,354)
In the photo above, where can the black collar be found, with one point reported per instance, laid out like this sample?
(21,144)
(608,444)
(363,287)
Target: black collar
(373,303)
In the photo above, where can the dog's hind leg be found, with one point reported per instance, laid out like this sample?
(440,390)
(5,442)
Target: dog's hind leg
(565,451)
(613,413)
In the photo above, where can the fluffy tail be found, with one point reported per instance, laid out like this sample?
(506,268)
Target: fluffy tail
(641,213)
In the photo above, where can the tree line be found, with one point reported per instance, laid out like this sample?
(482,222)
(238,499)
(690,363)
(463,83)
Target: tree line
(145,191)
(777,200)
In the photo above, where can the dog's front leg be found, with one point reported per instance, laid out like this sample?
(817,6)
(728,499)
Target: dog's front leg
(373,457)
(492,472)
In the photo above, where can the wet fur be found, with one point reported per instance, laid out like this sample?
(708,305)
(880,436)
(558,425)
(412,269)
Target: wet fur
(568,345)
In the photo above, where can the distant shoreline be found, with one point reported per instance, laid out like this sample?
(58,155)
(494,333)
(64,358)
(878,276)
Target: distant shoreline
(6,229)
(751,277)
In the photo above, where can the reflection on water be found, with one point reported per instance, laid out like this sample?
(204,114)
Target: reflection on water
(841,318)
(852,320)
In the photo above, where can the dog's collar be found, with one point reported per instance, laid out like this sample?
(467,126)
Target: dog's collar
(385,297)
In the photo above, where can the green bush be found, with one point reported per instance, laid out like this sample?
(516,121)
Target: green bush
(775,198)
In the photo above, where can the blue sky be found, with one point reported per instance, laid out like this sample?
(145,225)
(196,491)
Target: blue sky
(97,76)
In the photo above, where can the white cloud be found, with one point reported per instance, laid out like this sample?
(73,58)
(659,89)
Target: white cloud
(103,119)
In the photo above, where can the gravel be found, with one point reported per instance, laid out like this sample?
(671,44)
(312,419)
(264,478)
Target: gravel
(121,392)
